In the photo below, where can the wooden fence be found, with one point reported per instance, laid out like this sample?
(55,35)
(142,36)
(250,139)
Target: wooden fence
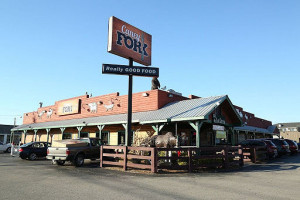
(253,154)
(184,158)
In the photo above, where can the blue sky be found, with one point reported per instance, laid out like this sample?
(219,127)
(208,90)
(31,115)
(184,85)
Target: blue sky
(52,50)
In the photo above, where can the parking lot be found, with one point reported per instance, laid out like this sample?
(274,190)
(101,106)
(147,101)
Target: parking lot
(23,179)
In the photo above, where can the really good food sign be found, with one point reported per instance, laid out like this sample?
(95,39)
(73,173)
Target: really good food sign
(129,42)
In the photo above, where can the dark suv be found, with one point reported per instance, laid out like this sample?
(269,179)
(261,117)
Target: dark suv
(292,145)
(272,151)
(282,146)
(259,145)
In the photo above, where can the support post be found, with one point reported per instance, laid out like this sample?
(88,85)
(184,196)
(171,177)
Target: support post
(238,136)
(125,158)
(12,149)
(129,112)
(176,134)
(190,159)
(35,131)
(62,129)
(197,126)
(48,130)
(101,156)
(253,152)
(12,135)
(25,134)
(226,160)
(157,128)
(241,157)
(100,127)
(154,160)
(79,128)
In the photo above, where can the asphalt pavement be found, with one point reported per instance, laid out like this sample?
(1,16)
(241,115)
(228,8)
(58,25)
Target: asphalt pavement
(36,180)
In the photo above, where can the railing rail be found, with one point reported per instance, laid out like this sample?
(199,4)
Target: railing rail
(183,158)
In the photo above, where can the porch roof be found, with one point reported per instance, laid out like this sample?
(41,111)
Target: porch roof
(252,129)
(193,109)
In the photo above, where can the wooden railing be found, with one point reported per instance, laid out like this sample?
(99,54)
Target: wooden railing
(253,154)
(184,158)
(119,156)
(193,158)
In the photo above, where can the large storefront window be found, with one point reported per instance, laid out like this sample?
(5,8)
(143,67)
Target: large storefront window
(84,135)
(67,136)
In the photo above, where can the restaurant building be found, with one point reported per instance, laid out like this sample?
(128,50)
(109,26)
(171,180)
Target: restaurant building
(195,121)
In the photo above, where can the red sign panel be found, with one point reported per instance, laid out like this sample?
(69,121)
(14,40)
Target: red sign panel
(129,42)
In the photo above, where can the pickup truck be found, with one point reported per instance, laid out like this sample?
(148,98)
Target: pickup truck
(5,147)
(74,150)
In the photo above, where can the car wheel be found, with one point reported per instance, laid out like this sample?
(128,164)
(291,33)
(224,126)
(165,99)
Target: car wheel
(32,156)
(60,162)
(8,150)
(79,160)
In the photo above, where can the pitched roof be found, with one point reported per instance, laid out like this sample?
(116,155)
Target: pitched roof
(193,109)
(288,125)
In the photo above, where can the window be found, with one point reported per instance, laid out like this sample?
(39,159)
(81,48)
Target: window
(121,138)
(104,137)
(84,135)
(67,136)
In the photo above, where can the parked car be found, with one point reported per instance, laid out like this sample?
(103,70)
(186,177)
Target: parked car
(259,145)
(292,145)
(33,150)
(272,151)
(5,147)
(298,147)
(74,150)
(282,146)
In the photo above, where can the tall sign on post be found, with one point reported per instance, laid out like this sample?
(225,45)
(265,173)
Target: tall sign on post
(133,44)
(128,41)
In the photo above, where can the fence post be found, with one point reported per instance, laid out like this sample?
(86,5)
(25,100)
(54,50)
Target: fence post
(125,158)
(226,164)
(253,152)
(190,159)
(153,160)
(240,152)
(101,156)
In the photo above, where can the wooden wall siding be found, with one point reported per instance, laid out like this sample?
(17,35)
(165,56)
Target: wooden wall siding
(155,100)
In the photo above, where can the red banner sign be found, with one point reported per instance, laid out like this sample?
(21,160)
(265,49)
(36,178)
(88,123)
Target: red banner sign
(129,42)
